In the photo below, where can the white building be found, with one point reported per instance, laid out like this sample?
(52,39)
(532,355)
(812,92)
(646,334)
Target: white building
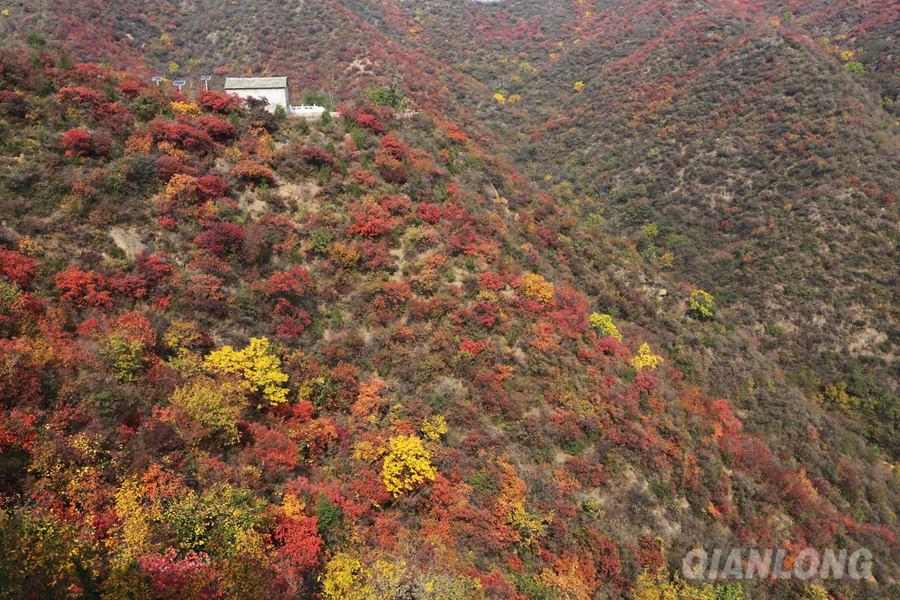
(311,113)
(272,89)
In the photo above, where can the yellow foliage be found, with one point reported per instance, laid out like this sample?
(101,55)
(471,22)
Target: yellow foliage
(530,525)
(186,108)
(566,585)
(292,506)
(499,98)
(645,360)
(605,324)
(135,528)
(700,305)
(366,451)
(579,85)
(256,364)
(814,592)
(537,288)
(514,98)
(407,466)
(216,405)
(27,246)
(837,394)
(388,577)
(658,587)
(182,336)
(343,579)
(343,255)
(434,428)
(846,55)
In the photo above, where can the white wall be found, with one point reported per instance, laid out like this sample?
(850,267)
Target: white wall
(276,97)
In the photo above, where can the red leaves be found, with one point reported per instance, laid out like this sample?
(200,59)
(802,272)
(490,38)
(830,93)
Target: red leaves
(81,95)
(17,267)
(396,205)
(182,135)
(86,289)
(391,169)
(221,238)
(289,285)
(219,103)
(218,129)
(17,429)
(472,347)
(131,89)
(316,156)
(275,451)
(650,554)
(430,213)
(77,142)
(395,147)
(370,122)
(253,173)
(388,300)
(373,222)
(299,542)
(173,578)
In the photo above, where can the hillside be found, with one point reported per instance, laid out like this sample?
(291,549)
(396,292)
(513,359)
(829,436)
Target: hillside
(733,144)
(252,358)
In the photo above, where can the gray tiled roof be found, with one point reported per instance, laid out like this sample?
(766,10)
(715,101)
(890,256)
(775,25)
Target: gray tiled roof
(255,83)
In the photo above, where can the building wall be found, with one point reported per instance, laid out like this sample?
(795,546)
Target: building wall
(276,97)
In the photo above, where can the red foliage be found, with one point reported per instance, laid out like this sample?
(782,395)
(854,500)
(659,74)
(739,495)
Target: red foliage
(430,213)
(131,89)
(84,288)
(81,95)
(484,314)
(137,326)
(391,169)
(396,205)
(395,147)
(218,129)
(221,238)
(173,578)
(17,429)
(211,187)
(316,156)
(219,103)
(372,222)
(182,135)
(370,122)
(375,257)
(472,347)
(289,285)
(168,167)
(389,299)
(299,542)
(77,142)
(585,472)
(17,267)
(274,450)
(650,554)
(253,172)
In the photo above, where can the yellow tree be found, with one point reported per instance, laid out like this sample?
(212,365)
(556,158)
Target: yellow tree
(257,364)
(407,466)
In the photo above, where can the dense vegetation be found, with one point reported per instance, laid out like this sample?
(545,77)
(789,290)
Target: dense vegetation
(248,356)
